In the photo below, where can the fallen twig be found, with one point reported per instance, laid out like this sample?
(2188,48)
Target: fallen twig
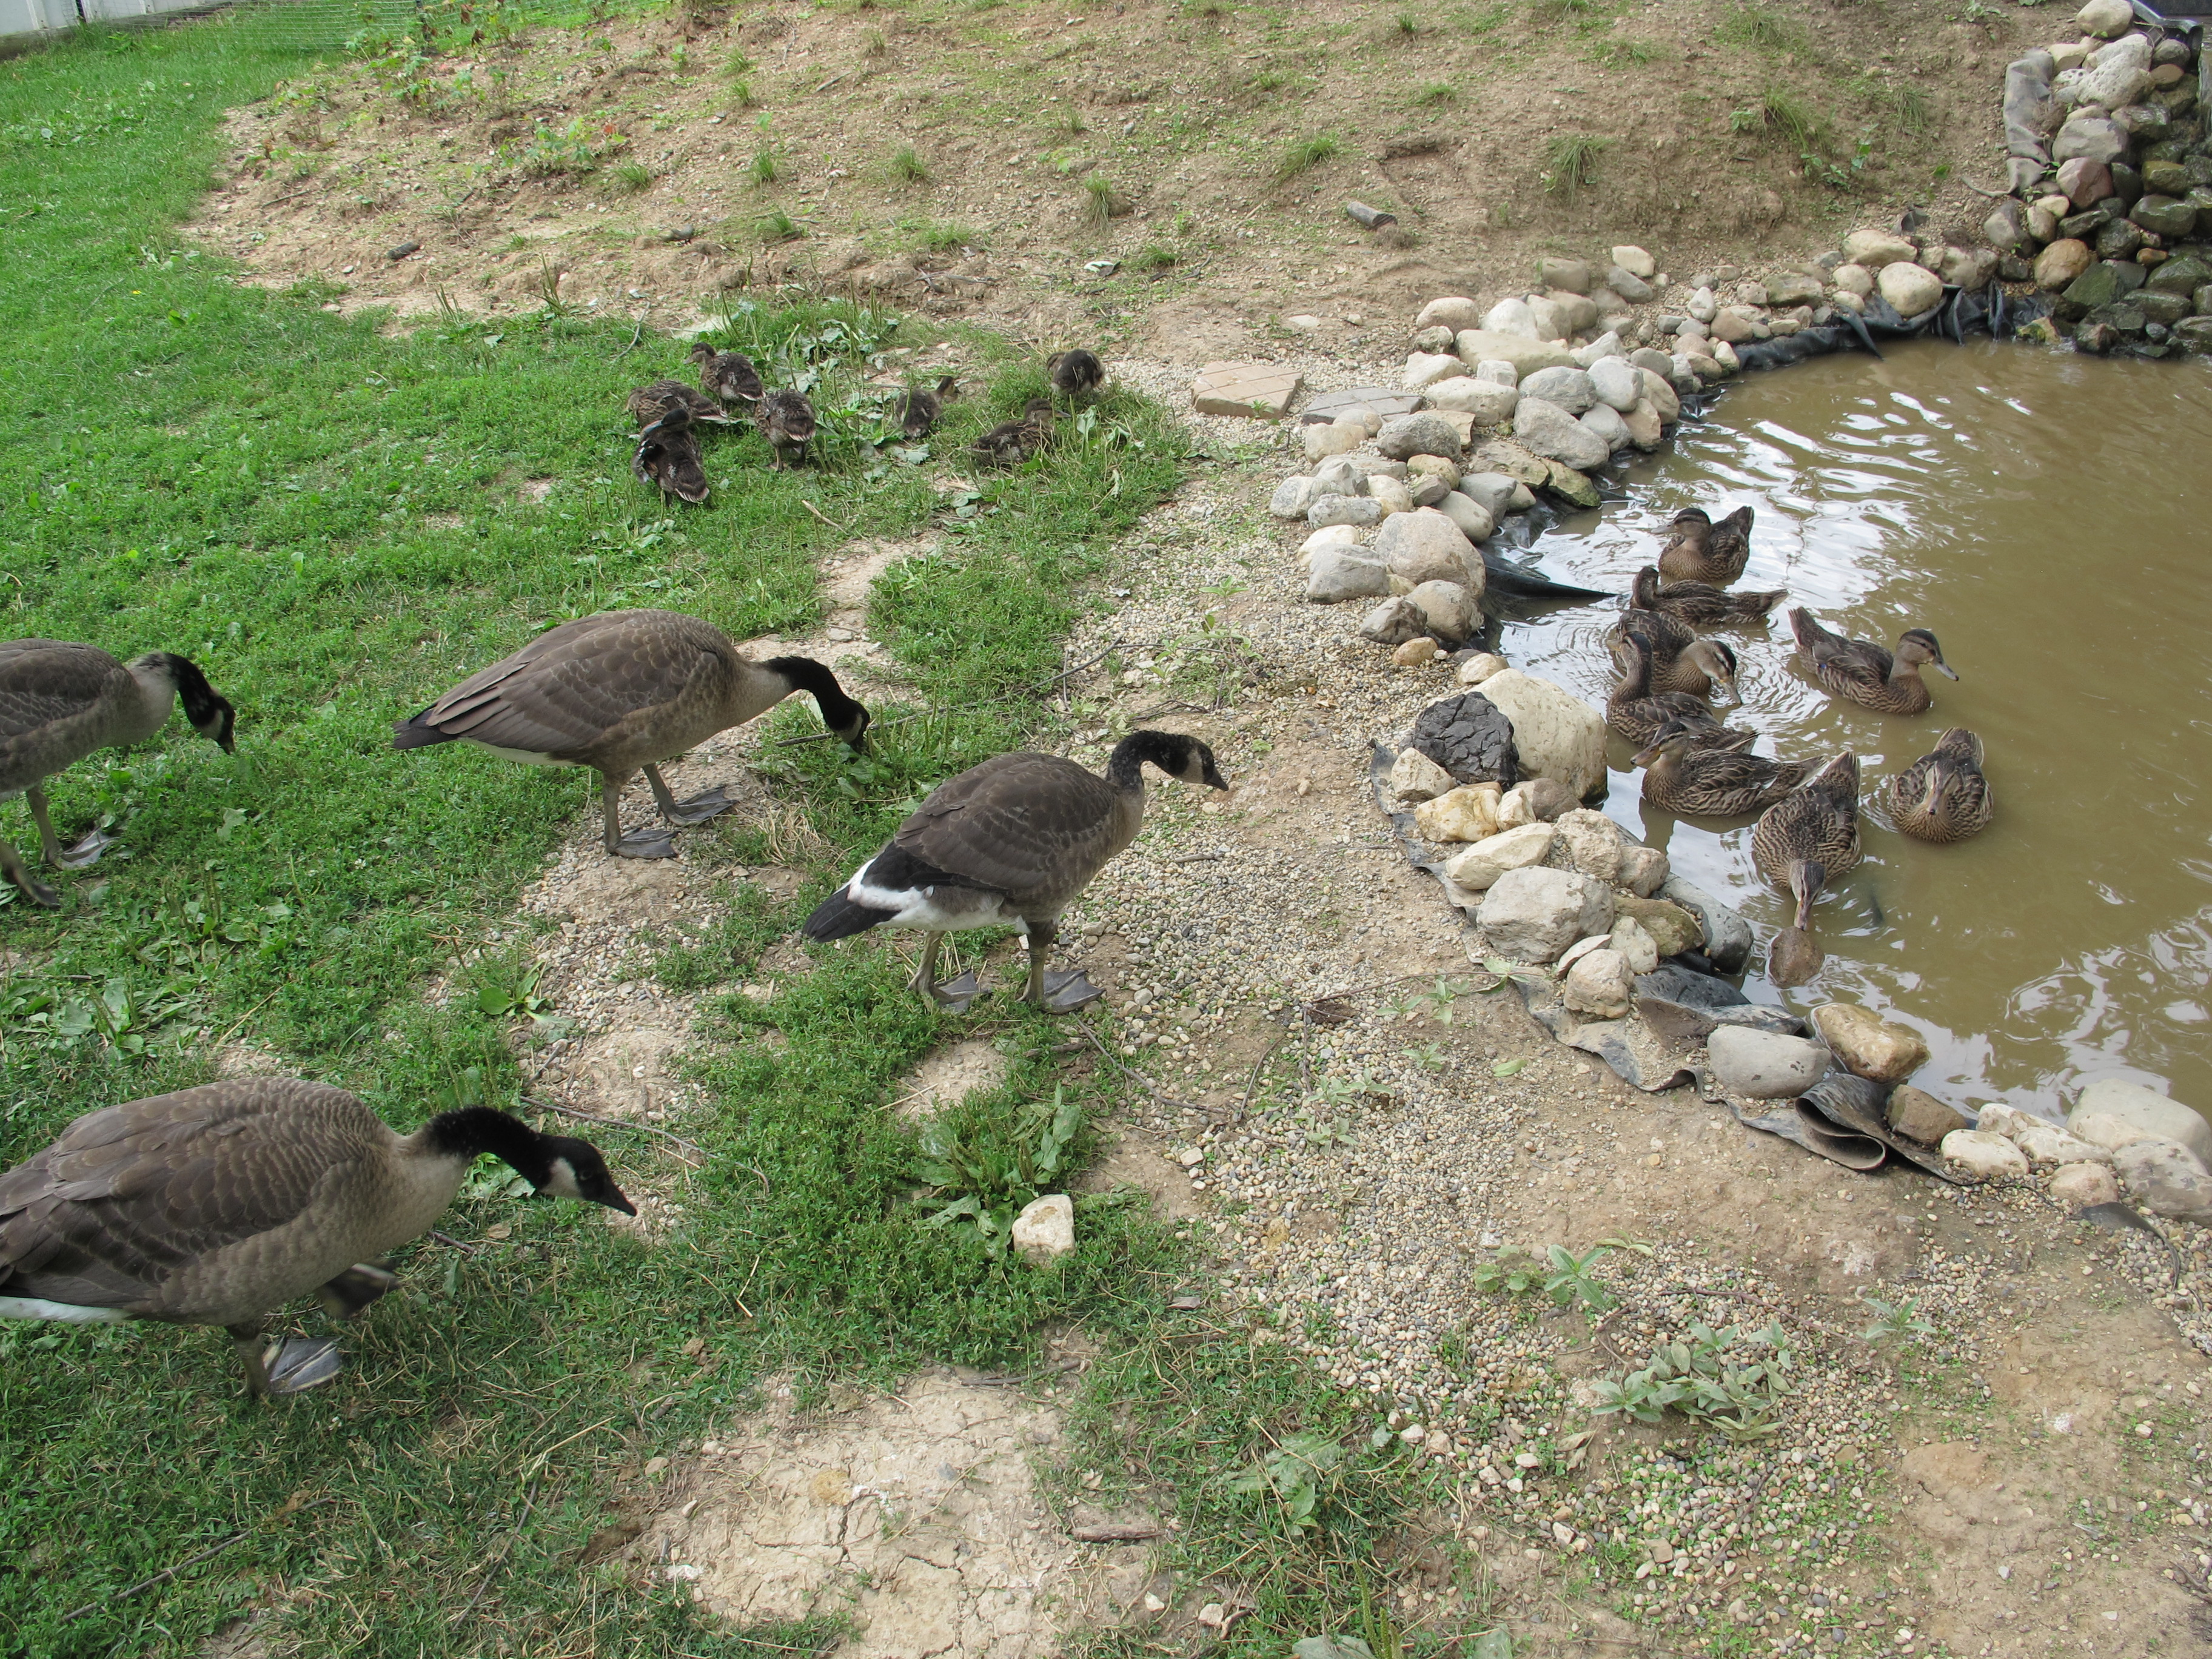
(841,529)
(447,1238)
(618,1123)
(1153,1088)
(1113,1534)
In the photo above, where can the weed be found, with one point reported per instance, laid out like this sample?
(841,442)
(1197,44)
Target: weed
(875,46)
(1303,155)
(1760,27)
(1567,1278)
(1436,94)
(1617,52)
(1409,27)
(1780,111)
(1734,1380)
(1070,124)
(629,178)
(575,148)
(1098,202)
(1909,106)
(777,226)
(1571,163)
(1151,259)
(741,94)
(1294,1474)
(990,1171)
(1898,1324)
(1268,80)
(766,167)
(909,168)
(931,236)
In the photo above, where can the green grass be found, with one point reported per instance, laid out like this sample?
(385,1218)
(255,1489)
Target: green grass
(1571,163)
(934,236)
(1437,95)
(1303,155)
(1099,202)
(777,226)
(629,178)
(1761,28)
(909,168)
(1910,108)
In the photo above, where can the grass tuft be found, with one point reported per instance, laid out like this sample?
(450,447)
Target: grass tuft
(1760,27)
(1437,95)
(933,236)
(1910,108)
(629,178)
(1303,155)
(1152,258)
(777,226)
(909,168)
(1100,203)
(766,167)
(1571,163)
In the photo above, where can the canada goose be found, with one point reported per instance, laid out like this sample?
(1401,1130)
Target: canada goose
(729,377)
(1700,602)
(58,702)
(1700,551)
(1013,839)
(1865,673)
(218,1206)
(1942,796)
(1690,779)
(916,412)
(1011,442)
(1073,373)
(668,455)
(650,404)
(1818,824)
(1796,956)
(1637,713)
(620,692)
(785,419)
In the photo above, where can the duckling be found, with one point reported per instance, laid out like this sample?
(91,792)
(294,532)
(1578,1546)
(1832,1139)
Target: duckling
(729,377)
(1014,840)
(1943,797)
(916,412)
(650,404)
(1862,671)
(1818,824)
(1680,660)
(785,419)
(619,692)
(668,455)
(216,1206)
(60,702)
(1700,602)
(1011,442)
(1073,373)
(1692,781)
(1796,956)
(1638,713)
(1701,550)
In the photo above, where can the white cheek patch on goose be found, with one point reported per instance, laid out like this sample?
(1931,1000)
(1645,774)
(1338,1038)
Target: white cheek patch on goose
(940,910)
(561,1184)
(37,1307)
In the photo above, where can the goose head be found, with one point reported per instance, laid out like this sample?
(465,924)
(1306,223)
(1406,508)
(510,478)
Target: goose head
(1917,648)
(573,1169)
(207,709)
(1183,757)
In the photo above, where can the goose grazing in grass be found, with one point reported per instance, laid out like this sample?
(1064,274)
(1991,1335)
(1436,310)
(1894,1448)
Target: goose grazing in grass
(620,692)
(668,455)
(1700,602)
(729,377)
(1943,797)
(1796,956)
(1011,842)
(785,419)
(218,1206)
(1074,372)
(650,404)
(60,702)
(1011,442)
(1863,672)
(1818,824)
(916,412)
(1700,551)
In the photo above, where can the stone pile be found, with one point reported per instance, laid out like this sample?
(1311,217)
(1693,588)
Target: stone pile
(2111,180)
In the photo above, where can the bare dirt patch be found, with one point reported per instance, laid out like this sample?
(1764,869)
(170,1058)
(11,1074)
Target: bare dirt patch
(950,1076)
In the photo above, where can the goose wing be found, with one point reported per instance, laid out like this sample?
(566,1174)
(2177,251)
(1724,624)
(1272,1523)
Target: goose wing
(1020,823)
(130,1193)
(45,682)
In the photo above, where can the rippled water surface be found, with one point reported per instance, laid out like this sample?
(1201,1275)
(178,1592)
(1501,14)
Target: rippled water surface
(2049,517)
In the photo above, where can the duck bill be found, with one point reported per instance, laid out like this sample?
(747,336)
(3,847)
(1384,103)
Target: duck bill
(1945,669)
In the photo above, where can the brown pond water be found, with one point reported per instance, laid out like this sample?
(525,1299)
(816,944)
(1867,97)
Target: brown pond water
(2048,516)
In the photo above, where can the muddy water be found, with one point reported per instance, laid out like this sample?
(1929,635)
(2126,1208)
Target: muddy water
(2048,517)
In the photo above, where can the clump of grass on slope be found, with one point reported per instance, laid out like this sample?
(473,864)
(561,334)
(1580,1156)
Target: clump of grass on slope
(1303,155)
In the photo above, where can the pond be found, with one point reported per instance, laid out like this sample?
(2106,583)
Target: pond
(2047,516)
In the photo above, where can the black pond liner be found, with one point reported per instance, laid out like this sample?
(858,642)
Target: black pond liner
(1841,1118)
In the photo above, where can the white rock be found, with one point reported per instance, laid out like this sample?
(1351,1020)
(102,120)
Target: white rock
(1492,491)
(1520,847)
(1636,946)
(1423,545)
(1425,368)
(2166,1179)
(1600,985)
(2070,54)
(1569,388)
(1701,305)
(1510,316)
(1415,778)
(1330,535)
(1910,288)
(2048,1145)
(1660,392)
(1549,316)
(1645,428)
(1345,509)
(1292,497)
(1618,383)
(1449,609)
(1724,355)
(1764,1065)
(1604,347)
(1643,869)
(2113,1113)
(1498,372)
(2118,75)
(1604,422)
(1469,813)
(1391,492)
(1854,279)
(1338,573)
(1530,915)
(1454,312)
(1474,524)
(1985,1156)
(1480,667)
(1590,842)
(1556,435)
(1635,262)
(1046,1228)
(1486,401)
(2105,18)
(1556,733)
(2078,1186)
(1332,438)
(1875,249)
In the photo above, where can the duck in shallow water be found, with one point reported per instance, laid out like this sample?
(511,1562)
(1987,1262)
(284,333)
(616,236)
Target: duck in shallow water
(1942,796)
(1864,673)
(1700,551)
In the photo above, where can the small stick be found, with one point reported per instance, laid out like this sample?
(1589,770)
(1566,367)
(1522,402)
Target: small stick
(1152,1088)
(447,1238)
(616,1122)
(1196,857)
(841,529)
(1113,1534)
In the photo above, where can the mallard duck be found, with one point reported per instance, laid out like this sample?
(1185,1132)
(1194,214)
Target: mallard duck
(1680,660)
(916,412)
(1690,779)
(58,702)
(1818,824)
(1796,956)
(216,1206)
(1012,841)
(1700,602)
(620,692)
(1011,442)
(785,419)
(1862,671)
(651,404)
(1638,713)
(1702,552)
(1073,373)
(1942,796)
(668,455)
(729,377)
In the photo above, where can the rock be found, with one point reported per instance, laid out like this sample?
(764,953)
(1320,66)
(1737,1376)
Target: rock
(1530,915)
(1509,316)
(1359,510)
(1909,288)
(1447,609)
(1390,492)
(1874,249)
(1636,947)
(1764,1065)
(1338,573)
(1735,325)
(1291,497)
(1573,487)
(1341,475)
(1616,383)
(1605,425)
(1548,316)
(1425,545)
(1415,652)
(2114,1113)
(2047,1147)
(1498,372)
(1724,355)
(1434,467)
(1569,389)
(1600,985)
(1045,1228)
(2084,183)
(1480,345)
(1417,434)
(1636,260)
(1491,491)
(1552,433)
(1659,392)
(1517,461)
(1589,843)
(1656,361)
(1643,869)
(2118,75)
(1603,349)
(1373,404)
(1434,338)
(1467,813)
(1474,523)
(2081,1186)
(2068,54)
(1571,276)
(2121,238)
(1539,800)
(1425,368)
(1985,1156)
(1918,1115)
(1855,279)
(1972,269)
(1671,929)
(1728,937)
(1454,313)
(2059,266)
(1646,429)
(2166,1179)
(1427,490)
(1471,737)
(1521,848)
(1868,1045)
(1488,401)
(1335,439)
(1415,778)
(2195,334)
(1701,305)
(2105,18)
(1555,733)
(2162,215)
(2166,179)
(1394,622)
(1627,284)
(1479,666)
(2100,285)
(2095,136)
(1332,535)
(2182,276)
(1261,390)
(1794,288)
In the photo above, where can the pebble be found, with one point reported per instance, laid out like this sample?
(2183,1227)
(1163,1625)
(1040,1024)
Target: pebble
(1045,1229)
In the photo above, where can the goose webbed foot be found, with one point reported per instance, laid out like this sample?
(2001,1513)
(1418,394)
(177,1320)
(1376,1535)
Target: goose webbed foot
(1066,993)
(352,1290)
(645,844)
(955,995)
(43,894)
(85,852)
(295,1365)
(708,803)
